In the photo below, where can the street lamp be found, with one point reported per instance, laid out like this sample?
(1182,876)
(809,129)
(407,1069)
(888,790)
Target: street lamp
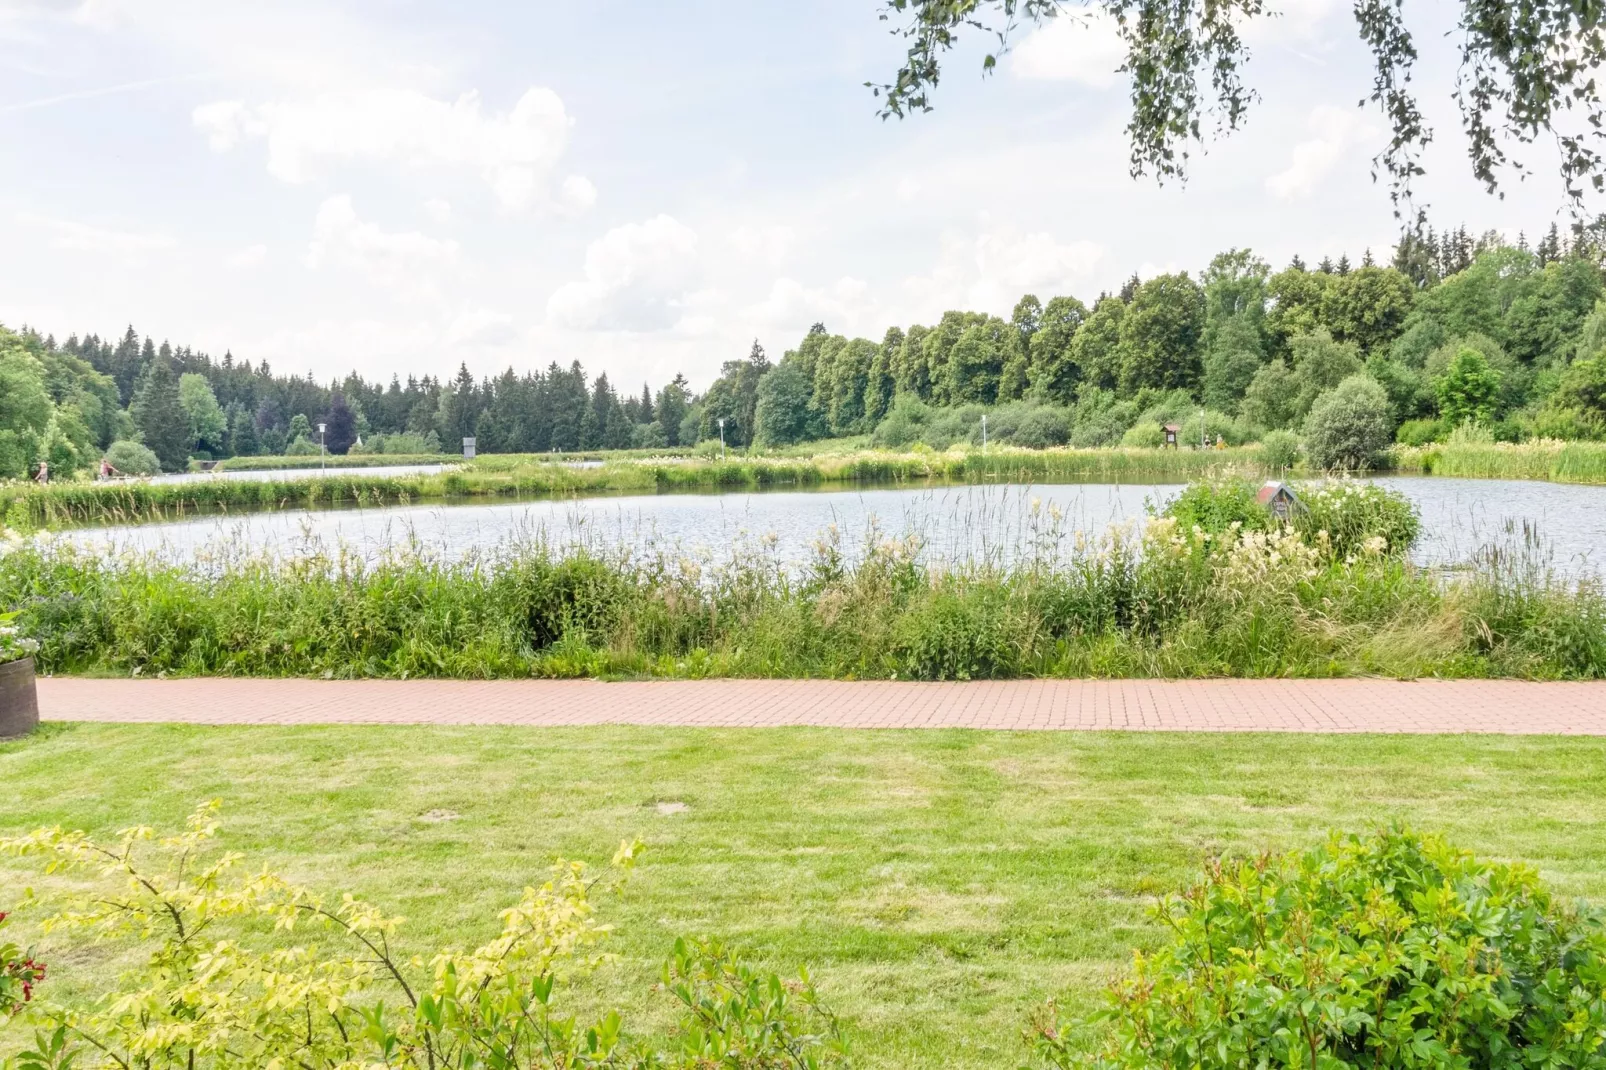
(321,429)
(722,439)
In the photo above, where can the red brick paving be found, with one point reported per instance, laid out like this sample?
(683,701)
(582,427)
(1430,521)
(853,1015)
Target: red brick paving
(1500,706)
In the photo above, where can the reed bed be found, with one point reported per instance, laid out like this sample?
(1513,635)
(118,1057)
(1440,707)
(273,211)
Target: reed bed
(1546,459)
(1153,600)
(29,507)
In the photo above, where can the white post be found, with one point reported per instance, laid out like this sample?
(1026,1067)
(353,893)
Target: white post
(321,450)
(984,432)
(1202,428)
(722,439)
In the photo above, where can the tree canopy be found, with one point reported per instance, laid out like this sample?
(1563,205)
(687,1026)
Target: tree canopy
(1527,72)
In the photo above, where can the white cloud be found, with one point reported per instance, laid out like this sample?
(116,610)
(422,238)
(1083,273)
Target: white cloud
(1292,21)
(991,270)
(766,244)
(98,14)
(87,238)
(249,257)
(635,278)
(1337,131)
(577,193)
(790,307)
(405,260)
(515,152)
(480,327)
(438,210)
(1082,48)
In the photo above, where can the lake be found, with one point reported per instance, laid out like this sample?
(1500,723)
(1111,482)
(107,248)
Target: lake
(955,522)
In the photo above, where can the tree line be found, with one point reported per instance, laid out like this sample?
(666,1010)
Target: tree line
(1455,329)
(1254,348)
(66,403)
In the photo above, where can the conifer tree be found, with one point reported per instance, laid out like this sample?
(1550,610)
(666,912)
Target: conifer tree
(159,417)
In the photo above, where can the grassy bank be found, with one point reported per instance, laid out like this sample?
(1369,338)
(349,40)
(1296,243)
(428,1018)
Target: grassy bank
(1559,462)
(360,460)
(26,506)
(940,885)
(1166,601)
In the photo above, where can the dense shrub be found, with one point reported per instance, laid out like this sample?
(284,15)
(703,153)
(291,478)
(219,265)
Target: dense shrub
(1039,427)
(1340,517)
(1420,432)
(1280,450)
(1146,434)
(1392,950)
(132,459)
(962,634)
(1351,512)
(1216,505)
(240,998)
(1349,425)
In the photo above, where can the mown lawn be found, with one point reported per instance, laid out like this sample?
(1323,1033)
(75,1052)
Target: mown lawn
(940,884)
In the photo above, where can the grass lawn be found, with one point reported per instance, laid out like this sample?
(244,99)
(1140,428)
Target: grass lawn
(939,884)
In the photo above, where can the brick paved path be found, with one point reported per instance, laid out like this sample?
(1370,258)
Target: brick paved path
(1186,705)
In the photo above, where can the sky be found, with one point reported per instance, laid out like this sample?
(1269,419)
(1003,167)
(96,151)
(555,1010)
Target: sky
(397,187)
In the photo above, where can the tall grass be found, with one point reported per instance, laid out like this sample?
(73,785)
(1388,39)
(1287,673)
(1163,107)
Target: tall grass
(1163,600)
(26,507)
(1560,462)
(353,460)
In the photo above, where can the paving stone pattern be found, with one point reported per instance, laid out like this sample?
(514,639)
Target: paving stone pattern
(1497,706)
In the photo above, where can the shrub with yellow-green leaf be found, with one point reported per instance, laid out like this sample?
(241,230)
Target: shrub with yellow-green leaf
(221,986)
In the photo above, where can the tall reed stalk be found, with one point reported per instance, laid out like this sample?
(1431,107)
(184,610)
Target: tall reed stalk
(27,507)
(1157,600)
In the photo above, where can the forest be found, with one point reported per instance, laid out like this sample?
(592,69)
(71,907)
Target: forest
(1457,335)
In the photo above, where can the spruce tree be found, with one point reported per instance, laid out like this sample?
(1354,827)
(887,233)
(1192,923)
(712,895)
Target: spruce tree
(340,425)
(160,418)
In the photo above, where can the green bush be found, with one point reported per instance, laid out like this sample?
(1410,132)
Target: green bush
(903,423)
(1353,511)
(1145,434)
(1279,450)
(1349,425)
(1216,505)
(1420,432)
(132,459)
(960,635)
(1389,951)
(302,447)
(1027,424)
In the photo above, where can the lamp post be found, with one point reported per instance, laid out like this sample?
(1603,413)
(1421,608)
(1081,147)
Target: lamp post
(1202,427)
(722,440)
(984,432)
(321,451)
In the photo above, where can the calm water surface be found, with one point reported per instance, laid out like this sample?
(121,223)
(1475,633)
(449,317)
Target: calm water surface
(955,523)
